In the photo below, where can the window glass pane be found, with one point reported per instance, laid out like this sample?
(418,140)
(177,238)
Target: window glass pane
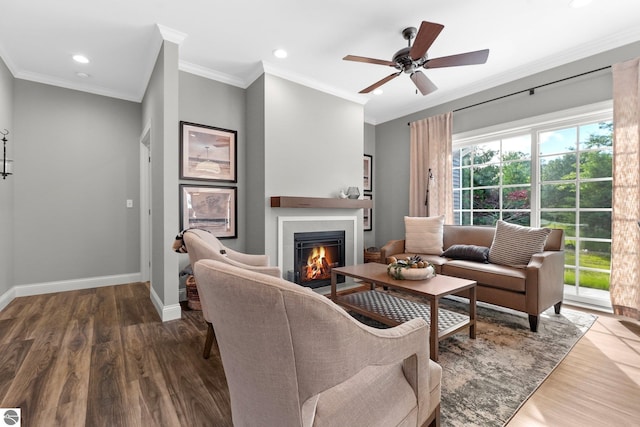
(594,280)
(516,148)
(465,156)
(569,277)
(488,198)
(456,200)
(466,218)
(595,194)
(517,217)
(558,141)
(596,164)
(558,195)
(466,177)
(596,255)
(595,225)
(516,173)
(558,168)
(563,220)
(466,199)
(569,252)
(486,153)
(485,218)
(456,177)
(516,197)
(596,135)
(486,175)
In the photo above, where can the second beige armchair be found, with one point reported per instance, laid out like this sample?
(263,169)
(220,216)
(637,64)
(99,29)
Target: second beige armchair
(201,244)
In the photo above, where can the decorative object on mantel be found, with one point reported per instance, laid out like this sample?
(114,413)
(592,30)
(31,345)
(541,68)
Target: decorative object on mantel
(353,193)
(412,268)
(7,165)
(319,202)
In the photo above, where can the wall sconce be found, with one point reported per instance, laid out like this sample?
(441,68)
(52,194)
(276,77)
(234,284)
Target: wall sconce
(7,165)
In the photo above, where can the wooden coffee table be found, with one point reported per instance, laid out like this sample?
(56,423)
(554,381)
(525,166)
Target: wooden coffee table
(392,310)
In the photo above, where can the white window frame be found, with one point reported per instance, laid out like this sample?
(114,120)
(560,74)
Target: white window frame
(602,111)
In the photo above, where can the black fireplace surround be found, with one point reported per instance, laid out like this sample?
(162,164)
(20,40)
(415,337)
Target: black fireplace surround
(315,254)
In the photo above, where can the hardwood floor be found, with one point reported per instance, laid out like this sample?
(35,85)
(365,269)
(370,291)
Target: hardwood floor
(103,357)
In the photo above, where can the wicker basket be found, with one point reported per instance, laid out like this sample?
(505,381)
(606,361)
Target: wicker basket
(193,299)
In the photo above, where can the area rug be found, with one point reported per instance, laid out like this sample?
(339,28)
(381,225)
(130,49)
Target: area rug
(486,380)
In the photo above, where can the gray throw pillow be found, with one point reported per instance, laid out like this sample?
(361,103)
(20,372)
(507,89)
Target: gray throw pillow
(467,252)
(514,244)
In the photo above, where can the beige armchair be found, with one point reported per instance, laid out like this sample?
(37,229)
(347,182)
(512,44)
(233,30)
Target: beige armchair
(294,358)
(201,244)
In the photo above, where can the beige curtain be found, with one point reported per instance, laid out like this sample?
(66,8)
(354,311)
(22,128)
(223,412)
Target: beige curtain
(625,246)
(430,168)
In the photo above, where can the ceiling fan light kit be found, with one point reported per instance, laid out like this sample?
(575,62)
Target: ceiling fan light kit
(410,59)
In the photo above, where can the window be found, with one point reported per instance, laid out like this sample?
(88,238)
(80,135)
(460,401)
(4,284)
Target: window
(554,172)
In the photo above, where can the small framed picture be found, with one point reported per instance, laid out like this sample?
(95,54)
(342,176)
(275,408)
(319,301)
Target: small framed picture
(368,167)
(367,215)
(211,208)
(208,153)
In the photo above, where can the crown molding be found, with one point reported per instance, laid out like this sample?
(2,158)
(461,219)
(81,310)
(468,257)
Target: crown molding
(171,35)
(208,73)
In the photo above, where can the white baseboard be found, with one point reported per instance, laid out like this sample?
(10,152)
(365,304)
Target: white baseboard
(166,312)
(75,284)
(7,297)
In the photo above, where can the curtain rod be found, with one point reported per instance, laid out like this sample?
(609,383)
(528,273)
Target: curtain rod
(530,90)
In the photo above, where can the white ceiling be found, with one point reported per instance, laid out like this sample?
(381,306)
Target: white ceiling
(232,41)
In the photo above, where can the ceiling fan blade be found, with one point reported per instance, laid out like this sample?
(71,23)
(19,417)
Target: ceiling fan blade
(422,82)
(427,34)
(381,82)
(369,60)
(469,58)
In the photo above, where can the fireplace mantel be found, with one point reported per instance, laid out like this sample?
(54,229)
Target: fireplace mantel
(319,202)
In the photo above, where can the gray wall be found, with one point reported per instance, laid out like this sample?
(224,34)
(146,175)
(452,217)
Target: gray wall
(313,147)
(6,185)
(212,103)
(392,138)
(160,108)
(255,167)
(76,160)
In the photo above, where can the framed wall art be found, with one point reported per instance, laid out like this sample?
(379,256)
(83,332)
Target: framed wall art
(210,208)
(367,215)
(208,153)
(368,168)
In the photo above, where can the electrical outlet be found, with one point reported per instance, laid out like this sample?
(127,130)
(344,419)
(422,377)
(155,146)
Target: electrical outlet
(129,203)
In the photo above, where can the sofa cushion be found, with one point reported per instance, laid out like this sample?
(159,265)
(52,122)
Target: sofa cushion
(514,244)
(492,275)
(423,235)
(468,252)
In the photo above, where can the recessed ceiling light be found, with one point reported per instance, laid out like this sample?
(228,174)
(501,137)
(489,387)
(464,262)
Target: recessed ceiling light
(82,75)
(378,91)
(579,3)
(81,59)
(280,53)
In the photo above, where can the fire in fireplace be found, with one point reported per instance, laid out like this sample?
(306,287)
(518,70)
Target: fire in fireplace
(315,254)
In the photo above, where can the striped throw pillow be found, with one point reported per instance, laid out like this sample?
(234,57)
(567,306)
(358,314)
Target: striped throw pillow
(514,245)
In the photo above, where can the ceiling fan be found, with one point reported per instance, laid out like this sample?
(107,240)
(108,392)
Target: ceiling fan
(411,58)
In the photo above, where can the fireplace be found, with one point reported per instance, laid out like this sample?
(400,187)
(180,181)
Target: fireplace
(315,254)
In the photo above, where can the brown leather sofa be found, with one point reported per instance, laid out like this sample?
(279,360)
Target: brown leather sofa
(532,289)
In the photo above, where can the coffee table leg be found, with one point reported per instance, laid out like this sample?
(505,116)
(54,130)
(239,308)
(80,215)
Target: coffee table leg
(472,312)
(334,280)
(433,334)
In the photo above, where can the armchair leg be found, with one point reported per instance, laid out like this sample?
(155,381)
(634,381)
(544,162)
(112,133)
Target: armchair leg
(557,307)
(209,341)
(434,419)
(533,323)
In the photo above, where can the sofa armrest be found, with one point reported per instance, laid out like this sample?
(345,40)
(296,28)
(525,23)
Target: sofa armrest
(544,280)
(392,247)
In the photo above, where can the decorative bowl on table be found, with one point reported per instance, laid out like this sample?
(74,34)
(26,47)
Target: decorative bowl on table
(411,268)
